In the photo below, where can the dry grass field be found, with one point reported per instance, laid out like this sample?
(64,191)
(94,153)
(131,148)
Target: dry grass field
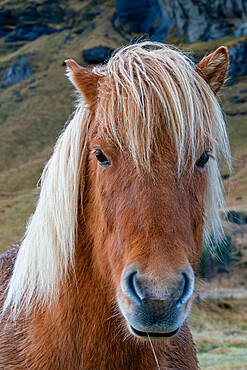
(219,327)
(219,317)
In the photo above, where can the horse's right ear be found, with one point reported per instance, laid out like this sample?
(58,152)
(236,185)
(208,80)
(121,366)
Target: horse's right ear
(84,80)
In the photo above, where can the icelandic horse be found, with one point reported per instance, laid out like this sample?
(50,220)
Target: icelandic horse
(104,275)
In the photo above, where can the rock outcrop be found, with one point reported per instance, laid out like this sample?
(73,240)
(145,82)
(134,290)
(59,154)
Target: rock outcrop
(31,21)
(142,16)
(29,32)
(238,218)
(19,70)
(99,54)
(238,59)
(193,19)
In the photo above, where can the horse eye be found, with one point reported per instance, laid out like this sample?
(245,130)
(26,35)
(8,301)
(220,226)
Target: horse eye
(203,159)
(103,161)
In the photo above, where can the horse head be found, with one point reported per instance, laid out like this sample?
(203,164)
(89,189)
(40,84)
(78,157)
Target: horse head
(152,185)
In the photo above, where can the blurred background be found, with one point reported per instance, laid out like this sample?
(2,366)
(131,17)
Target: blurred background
(36,99)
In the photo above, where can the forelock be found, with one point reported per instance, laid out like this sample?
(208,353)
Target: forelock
(148,88)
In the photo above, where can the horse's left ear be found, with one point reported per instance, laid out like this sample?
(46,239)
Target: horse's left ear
(84,80)
(213,68)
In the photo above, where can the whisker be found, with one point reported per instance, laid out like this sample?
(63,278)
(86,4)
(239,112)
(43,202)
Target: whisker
(151,344)
(111,317)
(118,332)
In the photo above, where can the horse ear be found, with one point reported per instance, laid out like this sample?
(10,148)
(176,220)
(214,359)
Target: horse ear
(84,80)
(213,68)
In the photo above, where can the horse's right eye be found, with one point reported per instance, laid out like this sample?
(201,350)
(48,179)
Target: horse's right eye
(103,161)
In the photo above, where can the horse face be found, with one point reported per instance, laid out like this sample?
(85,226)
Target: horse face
(149,231)
(146,226)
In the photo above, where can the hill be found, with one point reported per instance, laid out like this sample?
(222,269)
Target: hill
(34,111)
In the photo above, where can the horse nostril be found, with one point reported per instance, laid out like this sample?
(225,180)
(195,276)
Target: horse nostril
(143,292)
(188,287)
(128,285)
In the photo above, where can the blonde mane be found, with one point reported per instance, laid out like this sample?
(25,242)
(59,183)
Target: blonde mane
(146,88)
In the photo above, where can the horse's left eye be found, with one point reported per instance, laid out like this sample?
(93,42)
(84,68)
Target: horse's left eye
(103,161)
(203,159)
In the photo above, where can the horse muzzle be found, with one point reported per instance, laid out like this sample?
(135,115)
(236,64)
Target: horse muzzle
(151,306)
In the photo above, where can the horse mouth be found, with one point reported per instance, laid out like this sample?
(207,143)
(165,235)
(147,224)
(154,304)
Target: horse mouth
(153,334)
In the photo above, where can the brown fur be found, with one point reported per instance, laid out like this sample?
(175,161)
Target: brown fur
(213,68)
(152,219)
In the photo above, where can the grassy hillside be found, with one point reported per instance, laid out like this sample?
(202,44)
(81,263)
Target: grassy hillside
(34,111)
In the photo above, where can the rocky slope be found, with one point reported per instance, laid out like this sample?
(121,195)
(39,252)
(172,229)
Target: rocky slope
(192,19)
